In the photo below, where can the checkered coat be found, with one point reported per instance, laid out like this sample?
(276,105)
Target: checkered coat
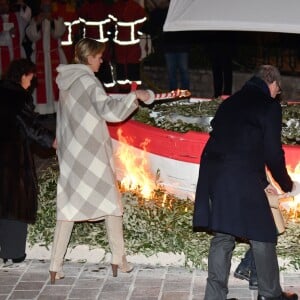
(87,188)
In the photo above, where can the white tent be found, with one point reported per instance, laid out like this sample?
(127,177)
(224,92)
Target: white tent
(237,15)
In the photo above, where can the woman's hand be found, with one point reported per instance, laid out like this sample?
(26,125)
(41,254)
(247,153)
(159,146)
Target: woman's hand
(147,96)
(54,145)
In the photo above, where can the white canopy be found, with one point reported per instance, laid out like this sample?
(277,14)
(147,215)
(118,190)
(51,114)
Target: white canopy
(235,15)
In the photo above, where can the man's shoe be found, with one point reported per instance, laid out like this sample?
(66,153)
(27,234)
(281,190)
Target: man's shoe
(253,284)
(242,273)
(283,296)
(2,263)
(11,265)
(289,296)
(19,259)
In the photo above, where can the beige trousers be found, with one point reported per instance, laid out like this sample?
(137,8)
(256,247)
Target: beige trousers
(63,230)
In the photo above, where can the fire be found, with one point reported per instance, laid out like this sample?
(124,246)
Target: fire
(139,177)
(292,204)
(164,200)
(136,169)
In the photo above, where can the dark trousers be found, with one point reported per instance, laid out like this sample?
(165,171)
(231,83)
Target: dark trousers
(105,74)
(13,235)
(178,62)
(128,72)
(219,263)
(222,77)
(221,57)
(248,263)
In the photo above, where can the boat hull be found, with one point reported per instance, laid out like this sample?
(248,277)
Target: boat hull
(175,155)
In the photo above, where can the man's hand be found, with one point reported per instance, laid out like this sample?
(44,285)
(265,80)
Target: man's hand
(271,189)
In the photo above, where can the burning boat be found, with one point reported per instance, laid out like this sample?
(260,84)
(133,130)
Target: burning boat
(147,155)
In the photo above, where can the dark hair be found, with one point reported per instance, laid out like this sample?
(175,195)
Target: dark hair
(19,67)
(86,47)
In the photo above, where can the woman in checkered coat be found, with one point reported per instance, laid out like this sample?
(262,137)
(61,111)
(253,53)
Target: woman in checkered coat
(87,188)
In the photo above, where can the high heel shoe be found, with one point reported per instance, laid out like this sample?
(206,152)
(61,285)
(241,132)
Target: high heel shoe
(55,275)
(114,269)
(121,268)
(124,268)
(52,277)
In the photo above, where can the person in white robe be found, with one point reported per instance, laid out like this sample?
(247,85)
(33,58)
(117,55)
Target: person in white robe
(45,31)
(12,31)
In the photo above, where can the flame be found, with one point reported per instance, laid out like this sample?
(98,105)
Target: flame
(137,174)
(164,200)
(138,177)
(292,204)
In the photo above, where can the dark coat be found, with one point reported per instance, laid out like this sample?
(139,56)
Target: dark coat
(246,137)
(19,127)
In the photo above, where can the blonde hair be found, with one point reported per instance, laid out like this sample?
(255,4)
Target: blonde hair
(86,47)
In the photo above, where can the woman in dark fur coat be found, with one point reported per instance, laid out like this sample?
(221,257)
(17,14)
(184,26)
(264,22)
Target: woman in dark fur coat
(19,127)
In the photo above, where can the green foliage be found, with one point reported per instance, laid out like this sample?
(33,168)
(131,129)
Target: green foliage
(288,244)
(42,231)
(154,225)
(291,124)
(183,116)
(161,224)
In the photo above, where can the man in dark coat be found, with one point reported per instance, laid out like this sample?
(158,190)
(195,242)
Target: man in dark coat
(230,197)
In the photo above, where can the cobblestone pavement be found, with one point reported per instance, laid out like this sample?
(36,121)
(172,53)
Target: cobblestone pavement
(95,281)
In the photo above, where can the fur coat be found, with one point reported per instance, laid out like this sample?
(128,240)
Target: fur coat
(19,127)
